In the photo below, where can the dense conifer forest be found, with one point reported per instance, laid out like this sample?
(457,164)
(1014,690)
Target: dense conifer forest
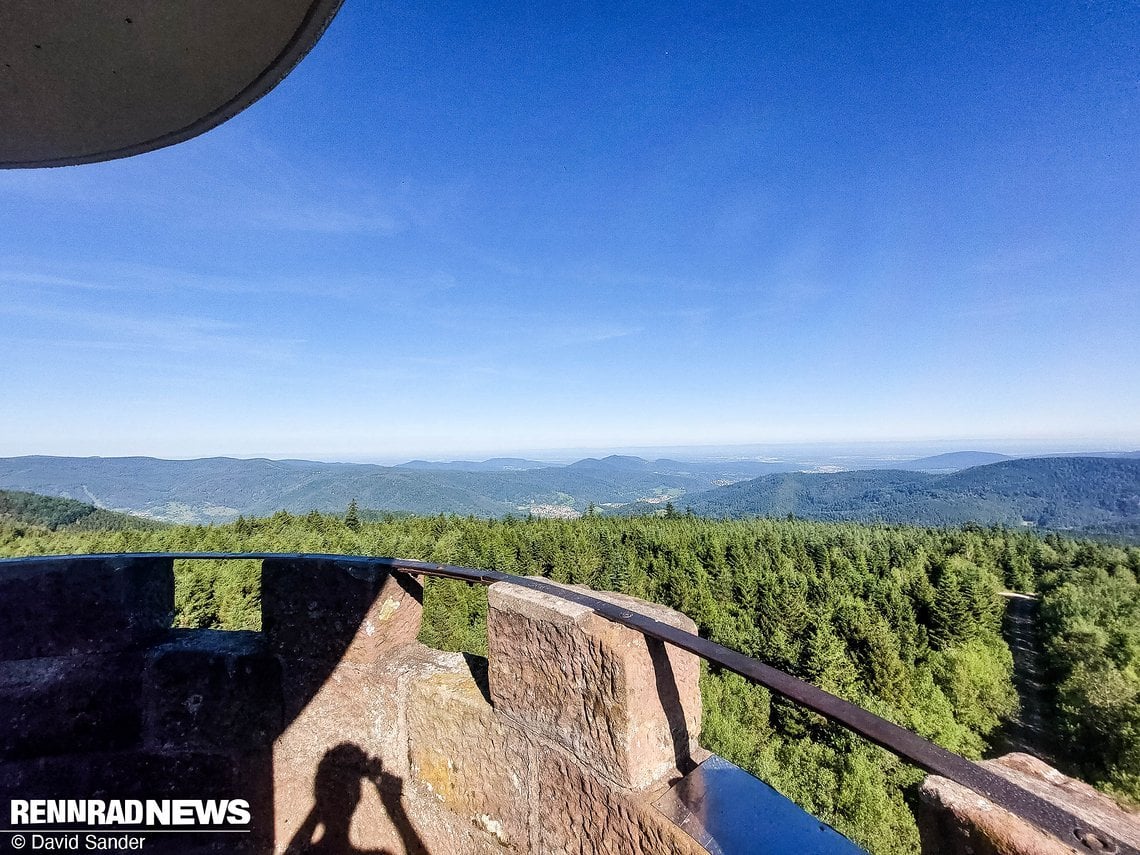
(50,512)
(1090,619)
(904,621)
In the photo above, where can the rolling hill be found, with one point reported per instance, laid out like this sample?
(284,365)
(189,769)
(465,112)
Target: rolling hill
(1050,492)
(1073,493)
(219,489)
(32,509)
(952,461)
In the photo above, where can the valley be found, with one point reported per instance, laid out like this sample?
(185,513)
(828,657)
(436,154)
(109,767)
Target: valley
(1095,495)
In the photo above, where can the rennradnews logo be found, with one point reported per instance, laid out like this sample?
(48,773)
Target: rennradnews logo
(118,825)
(149,813)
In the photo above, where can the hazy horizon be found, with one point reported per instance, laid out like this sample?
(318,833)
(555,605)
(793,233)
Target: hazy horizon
(832,451)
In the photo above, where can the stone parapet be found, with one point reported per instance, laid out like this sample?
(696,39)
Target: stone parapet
(954,820)
(70,704)
(322,609)
(88,604)
(442,752)
(464,756)
(344,716)
(212,690)
(509,788)
(341,730)
(629,706)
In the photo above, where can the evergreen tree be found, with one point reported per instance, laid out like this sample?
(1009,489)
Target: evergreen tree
(352,516)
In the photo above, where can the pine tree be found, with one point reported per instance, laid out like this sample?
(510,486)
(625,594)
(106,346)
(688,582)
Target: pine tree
(351,517)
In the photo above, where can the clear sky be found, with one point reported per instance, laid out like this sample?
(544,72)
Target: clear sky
(478,228)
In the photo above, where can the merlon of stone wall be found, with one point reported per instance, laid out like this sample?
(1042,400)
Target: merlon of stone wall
(67,607)
(627,705)
(954,820)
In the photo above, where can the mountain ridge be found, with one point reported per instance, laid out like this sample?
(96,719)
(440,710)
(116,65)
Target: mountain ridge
(1065,493)
(1056,492)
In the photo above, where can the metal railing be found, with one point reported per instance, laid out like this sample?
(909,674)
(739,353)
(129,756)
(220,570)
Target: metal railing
(1065,826)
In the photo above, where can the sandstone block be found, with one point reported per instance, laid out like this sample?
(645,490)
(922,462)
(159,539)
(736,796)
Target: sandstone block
(208,689)
(954,820)
(337,611)
(70,704)
(629,707)
(330,759)
(589,816)
(463,759)
(343,763)
(85,604)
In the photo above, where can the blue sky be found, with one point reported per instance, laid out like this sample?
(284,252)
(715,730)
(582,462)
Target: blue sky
(470,229)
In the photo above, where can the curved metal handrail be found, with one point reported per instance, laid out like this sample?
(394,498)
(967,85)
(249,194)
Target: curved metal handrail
(923,753)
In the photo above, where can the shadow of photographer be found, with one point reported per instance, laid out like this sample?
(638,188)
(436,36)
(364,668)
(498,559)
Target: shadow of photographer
(337,790)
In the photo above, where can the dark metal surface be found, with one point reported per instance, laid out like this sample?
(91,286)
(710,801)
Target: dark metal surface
(86,82)
(922,753)
(730,812)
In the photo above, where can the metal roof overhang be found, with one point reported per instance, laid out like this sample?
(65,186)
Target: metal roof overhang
(83,81)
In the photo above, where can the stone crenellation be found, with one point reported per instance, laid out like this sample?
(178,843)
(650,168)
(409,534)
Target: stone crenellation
(576,736)
(953,820)
(343,732)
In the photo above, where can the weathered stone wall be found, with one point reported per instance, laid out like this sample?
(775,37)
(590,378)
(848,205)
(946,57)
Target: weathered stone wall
(558,743)
(342,731)
(954,820)
(99,698)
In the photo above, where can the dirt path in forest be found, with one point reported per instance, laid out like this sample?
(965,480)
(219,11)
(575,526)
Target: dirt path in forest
(1029,730)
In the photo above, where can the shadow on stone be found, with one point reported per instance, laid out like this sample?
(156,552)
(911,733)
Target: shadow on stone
(670,698)
(99,697)
(337,790)
(478,667)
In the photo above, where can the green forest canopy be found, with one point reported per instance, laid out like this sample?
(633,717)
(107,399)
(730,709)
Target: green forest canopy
(55,513)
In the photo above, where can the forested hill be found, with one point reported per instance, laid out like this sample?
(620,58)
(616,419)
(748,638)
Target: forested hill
(1084,493)
(18,508)
(218,489)
(1092,494)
